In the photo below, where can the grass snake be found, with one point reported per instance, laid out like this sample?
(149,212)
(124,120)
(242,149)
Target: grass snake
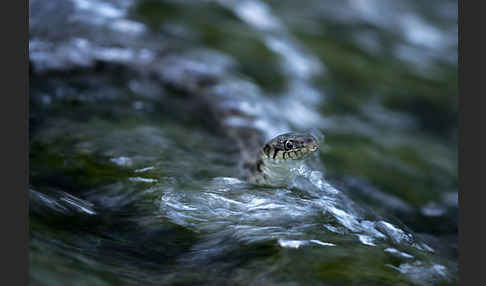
(275,160)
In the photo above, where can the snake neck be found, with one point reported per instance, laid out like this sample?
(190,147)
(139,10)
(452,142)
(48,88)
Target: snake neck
(267,172)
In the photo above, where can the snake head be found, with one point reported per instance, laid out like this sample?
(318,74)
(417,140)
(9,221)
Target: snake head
(290,146)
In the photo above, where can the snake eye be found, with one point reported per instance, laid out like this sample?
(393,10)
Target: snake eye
(288,145)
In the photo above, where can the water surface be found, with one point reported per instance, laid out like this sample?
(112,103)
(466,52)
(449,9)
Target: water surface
(134,179)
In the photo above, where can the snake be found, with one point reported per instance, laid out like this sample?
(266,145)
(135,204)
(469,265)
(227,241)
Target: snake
(276,159)
(265,164)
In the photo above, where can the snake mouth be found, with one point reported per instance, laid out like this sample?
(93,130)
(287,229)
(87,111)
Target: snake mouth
(290,146)
(312,144)
(313,148)
(301,153)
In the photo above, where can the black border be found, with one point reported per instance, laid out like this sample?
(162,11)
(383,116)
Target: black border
(14,124)
(471,151)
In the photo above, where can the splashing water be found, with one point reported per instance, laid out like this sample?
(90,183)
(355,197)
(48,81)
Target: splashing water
(131,183)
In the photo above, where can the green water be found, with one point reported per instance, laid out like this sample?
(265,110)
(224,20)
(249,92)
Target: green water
(132,181)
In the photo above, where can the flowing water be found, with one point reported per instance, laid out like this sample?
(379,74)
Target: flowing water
(134,179)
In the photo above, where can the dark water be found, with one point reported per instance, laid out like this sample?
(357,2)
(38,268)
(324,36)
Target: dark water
(133,179)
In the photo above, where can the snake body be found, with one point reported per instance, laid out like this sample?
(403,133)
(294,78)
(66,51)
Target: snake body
(278,157)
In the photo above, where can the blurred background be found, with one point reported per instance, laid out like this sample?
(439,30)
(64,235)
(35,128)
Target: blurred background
(134,179)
